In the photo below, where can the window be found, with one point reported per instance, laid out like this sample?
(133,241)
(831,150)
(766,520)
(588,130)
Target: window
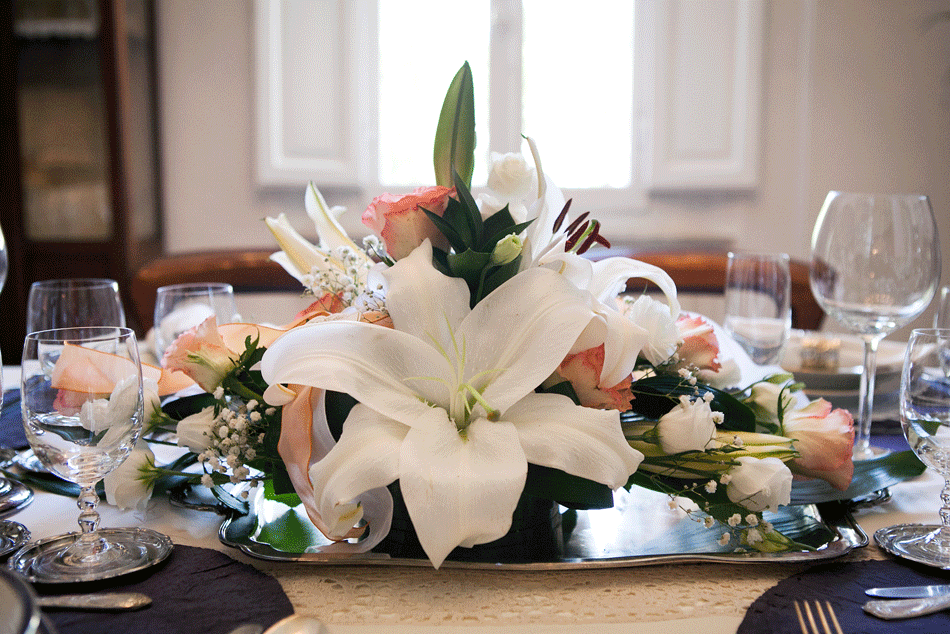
(574,97)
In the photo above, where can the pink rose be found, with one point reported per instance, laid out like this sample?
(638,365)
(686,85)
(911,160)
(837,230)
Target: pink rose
(700,347)
(583,371)
(401,223)
(201,354)
(824,437)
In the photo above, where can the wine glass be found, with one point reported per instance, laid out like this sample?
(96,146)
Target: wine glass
(181,307)
(82,420)
(758,303)
(76,302)
(925,418)
(942,314)
(875,267)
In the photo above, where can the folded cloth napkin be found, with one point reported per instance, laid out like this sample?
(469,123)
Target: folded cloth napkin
(195,590)
(843,584)
(11,422)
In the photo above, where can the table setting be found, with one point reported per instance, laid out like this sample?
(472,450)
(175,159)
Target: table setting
(475,426)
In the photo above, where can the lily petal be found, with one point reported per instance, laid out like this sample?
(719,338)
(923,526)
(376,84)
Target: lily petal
(611,275)
(535,317)
(331,232)
(461,491)
(424,302)
(581,441)
(385,369)
(365,458)
(298,256)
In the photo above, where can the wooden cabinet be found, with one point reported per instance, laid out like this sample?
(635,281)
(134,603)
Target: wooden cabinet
(80,195)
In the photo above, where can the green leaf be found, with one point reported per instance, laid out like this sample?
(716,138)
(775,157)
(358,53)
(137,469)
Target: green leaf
(470,212)
(270,493)
(657,395)
(494,238)
(468,265)
(179,408)
(498,276)
(446,228)
(455,134)
(869,476)
(566,489)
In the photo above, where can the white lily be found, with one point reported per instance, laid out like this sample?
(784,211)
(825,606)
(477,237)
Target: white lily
(300,257)
(447,403)
(604,279)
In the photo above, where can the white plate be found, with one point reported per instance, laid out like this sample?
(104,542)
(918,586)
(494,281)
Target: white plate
(847,376)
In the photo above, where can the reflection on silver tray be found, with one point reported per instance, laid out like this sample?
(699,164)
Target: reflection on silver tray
(13,496)
(13,535)
(640,530)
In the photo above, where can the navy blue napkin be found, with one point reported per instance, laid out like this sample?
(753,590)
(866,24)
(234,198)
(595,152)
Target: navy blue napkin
(11,422)
(843,584)
(195,590)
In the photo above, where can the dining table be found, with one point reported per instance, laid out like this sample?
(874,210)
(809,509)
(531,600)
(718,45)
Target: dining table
(351,598)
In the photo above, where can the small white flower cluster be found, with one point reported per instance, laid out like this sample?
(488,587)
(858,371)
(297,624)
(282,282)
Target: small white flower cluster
(233,436)
(747,531)
(343,274)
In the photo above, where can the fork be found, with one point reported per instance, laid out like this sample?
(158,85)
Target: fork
(806,618)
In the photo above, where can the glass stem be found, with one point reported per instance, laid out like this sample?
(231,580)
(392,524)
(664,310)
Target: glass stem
(945,509)
(88,546)
(862,440)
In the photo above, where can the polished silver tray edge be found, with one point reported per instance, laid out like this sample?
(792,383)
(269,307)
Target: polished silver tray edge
(836,517)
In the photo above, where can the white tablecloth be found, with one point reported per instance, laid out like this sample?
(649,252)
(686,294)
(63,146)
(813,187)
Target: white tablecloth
(708,598)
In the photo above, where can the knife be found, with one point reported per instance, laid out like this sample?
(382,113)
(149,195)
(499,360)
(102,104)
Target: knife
(107,602)
(909,592)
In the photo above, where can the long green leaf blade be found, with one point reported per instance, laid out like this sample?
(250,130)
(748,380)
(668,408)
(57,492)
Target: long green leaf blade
(455,134)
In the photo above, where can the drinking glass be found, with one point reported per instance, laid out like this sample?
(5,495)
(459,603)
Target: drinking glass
(875,267)
(942,314)
(70,303)
(180,307)
(82,421)
(925,417)
(758,303)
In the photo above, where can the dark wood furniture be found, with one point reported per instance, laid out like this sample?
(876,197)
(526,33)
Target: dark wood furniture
(247,271)
(705,273)
(80,193)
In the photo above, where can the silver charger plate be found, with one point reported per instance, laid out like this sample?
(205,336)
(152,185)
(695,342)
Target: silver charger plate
(19,609)
(888,539)
(640,530)
(156,545)
(13,496)
(13,536)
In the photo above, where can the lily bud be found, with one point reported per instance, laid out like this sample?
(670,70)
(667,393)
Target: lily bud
(507,249)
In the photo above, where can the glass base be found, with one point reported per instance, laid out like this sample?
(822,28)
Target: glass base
(926,544)
(871,453)
(121,551)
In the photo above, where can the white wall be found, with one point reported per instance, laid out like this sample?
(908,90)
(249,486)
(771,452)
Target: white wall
(857,97)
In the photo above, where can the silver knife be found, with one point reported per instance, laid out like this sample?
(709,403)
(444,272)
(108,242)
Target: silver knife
(909,592)
(109,602)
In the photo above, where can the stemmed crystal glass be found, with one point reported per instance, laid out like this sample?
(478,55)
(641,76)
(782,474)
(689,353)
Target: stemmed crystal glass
(925,417)
(82,420)
(875,267)
(758,303)
(74,302)
(180,307)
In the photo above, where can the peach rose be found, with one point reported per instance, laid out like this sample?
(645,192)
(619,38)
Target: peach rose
(401,223)
(201,354)
(583,371)
(824,437)
(700,346)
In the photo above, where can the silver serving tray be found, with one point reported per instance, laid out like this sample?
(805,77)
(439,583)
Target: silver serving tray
(640,530)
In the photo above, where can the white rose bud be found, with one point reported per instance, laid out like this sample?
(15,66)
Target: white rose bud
(194,431)
(507,249)
(688,426)
(766,395)
(760,484)
(124,485)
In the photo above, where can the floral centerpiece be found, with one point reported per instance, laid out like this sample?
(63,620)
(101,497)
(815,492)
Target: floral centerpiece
(471,352)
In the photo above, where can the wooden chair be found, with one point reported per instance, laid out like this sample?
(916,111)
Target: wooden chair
(704,273)
(247,271)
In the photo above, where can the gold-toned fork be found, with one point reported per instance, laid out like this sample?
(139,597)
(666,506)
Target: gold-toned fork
(807,618)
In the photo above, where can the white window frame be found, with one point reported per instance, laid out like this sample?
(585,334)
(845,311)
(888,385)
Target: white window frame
(696,129)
